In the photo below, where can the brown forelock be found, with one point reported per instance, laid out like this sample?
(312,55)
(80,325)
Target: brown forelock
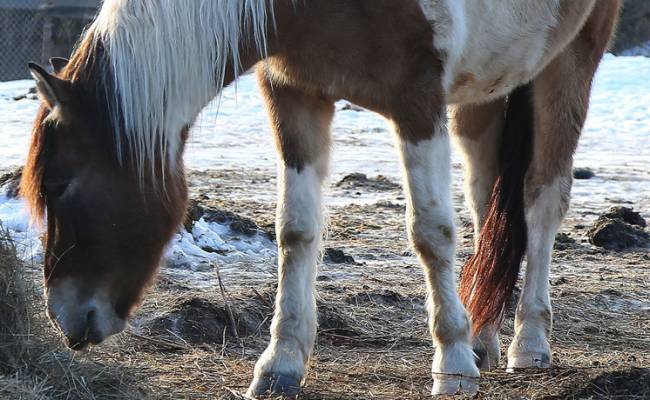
(32,180)
(489,277)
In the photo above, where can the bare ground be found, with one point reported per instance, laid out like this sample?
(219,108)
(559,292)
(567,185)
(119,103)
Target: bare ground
(373,340)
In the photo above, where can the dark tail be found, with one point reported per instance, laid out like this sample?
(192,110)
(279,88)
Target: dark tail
(489,277)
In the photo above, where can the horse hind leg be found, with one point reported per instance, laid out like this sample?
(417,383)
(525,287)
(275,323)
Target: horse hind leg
(301,122)
(478,130)
(560,102)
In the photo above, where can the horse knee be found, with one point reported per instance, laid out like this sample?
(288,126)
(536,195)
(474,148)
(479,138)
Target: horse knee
(433,237)
(549,201)
(298,232)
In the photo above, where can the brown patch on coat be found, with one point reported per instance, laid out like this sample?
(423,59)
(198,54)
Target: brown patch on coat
(471,121)
(378,54)
(300,120)
(463,79)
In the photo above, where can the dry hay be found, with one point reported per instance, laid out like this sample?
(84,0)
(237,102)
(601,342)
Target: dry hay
(32,363)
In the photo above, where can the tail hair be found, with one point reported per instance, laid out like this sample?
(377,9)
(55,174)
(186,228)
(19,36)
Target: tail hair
(489,276)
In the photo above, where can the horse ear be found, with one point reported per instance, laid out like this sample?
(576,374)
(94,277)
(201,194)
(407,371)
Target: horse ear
(51,89)
(58,63)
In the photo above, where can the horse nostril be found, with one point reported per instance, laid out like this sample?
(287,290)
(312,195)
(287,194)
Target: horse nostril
(90,317)
(93,334)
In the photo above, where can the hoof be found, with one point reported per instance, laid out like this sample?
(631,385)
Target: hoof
(531,360)
(449,384)
(280,385)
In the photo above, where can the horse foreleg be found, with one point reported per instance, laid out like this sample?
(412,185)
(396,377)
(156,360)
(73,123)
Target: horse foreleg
(430,224)
(301,124)
(478,129)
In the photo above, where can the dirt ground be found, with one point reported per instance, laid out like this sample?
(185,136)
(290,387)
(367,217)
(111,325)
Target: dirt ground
(373,341)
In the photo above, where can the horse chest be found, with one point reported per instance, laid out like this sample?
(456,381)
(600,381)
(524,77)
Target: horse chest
(490,47)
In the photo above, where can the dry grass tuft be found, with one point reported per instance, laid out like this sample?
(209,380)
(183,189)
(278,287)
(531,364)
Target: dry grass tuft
(32,363)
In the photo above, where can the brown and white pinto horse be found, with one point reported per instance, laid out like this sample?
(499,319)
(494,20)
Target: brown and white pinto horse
(105,165)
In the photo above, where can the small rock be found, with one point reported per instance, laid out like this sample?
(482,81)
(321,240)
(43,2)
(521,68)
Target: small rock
(351,107)
(583,173)
(237,223)
(389,204)
(336,256)
(560,281)
(31,95)
(10,183)
(619,229)
(563,241)
(201,321)
(626,214)
(358,180)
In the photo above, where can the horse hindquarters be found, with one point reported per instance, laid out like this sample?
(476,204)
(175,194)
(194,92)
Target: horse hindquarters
(556,107)
(560,102)
(301,123)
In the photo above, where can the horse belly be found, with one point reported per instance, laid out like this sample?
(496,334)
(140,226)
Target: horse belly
(490,47)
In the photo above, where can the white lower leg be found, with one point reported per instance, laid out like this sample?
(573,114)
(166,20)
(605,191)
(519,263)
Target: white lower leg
(431,230)
(533,321)
(298,227)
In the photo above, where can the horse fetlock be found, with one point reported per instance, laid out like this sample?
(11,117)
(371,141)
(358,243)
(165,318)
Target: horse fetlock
(529,352)
(450,325)
(454,370)
(487,350)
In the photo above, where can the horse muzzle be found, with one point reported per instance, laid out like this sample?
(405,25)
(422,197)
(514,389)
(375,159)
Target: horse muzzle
(83,319)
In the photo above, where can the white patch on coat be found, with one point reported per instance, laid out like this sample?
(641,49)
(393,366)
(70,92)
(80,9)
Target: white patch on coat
(491,47)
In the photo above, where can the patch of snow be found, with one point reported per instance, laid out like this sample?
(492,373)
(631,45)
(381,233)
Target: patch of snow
(15,219)
(211,242)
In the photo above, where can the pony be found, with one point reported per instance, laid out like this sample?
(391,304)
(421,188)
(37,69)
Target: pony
(105,166)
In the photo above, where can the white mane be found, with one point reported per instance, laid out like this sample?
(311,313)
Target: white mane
(167,61)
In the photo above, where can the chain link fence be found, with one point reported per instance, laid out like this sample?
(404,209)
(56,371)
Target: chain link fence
(35,30)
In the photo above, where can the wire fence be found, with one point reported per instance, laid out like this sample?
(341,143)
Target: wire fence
(35,30)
